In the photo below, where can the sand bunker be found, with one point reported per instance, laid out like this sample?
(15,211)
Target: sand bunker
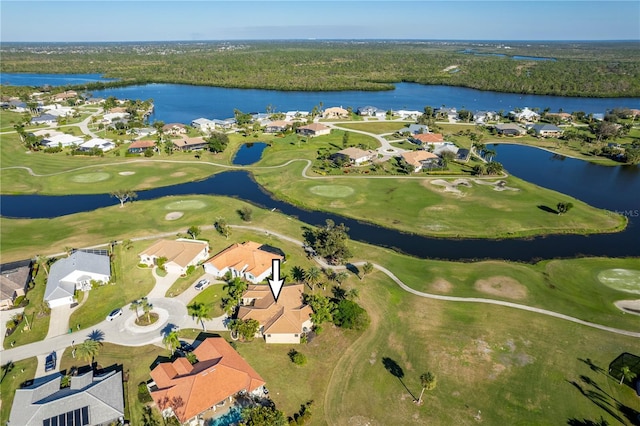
(453,185)
(499,185)
(332,191)
(629,306)
(503,287)
(90,177)
(173,215)
(186,205)
(126,173)
(178,174)
(441,286)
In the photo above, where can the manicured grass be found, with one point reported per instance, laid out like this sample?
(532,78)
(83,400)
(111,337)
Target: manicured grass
(36,313)
(182,283)
(12,381)
(136,365)
(131,284)
(378,128)
(211,297)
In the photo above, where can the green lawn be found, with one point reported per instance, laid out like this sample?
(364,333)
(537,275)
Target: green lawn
(36,314)
(212,297)
(12,380)
(377,128)
(136,365)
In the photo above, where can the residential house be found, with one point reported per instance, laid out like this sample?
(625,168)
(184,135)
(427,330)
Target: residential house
(14,280)
(313,129)
(335,112)
(407,114)
(46,133)
(225,124)
(62,140)
(179,254)
(47,119)
(415,129)
(140,146)
(93,101)
(250,260)
(75,272)
(277,126)
(114,116)
(418,159)
(69,94)
(144,131)
(463,155)
(482,117)
(15,106)
(510,129)
(284,321)
(427,138)
(261,118)
(203,124)
(174,129)
(296,115)
(546,130)
(102,144)
(441,148)
(90,399)
(564,117)
(58,110)
(369,111)
(190,144)
(449,114)
(525,115)
(186,390)
(356,156)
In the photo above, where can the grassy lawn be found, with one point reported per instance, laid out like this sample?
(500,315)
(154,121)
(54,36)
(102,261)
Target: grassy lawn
(136,362)
(377,128)
(36,313)
(211,296)
(131,283)
(12,381)
(182,283)
(548,374)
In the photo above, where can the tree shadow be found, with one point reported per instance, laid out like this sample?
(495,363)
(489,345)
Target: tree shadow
(353,269)
(601,400)
(587,422)
(168,328)
(592,366)
(392,367)
(96,336)
(547,209)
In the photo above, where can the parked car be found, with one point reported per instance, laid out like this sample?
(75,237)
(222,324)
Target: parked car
(202,284)
(50,361)
(114,314)
(185,346)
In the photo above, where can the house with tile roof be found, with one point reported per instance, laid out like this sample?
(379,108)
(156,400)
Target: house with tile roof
(250,260)
(313,129)
(14,280)
(335,112)
(75,272)
(89,400)
(186,391)
(190,144)
(141,146)
(277,126)
(427,138)
(179,254)
(355,155)
(418,159)
(284,321)
(175,129)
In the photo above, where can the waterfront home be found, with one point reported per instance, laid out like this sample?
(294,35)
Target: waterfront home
(190,144)
(69,94)
(355,155)
(369,111)
(178,254)
(101,144)
(186,390)
(90,399)
(143,131)
(76,272)
(418,159)
(225,124)
(277,126)
(250,261)
(525,115)
(140,146)
(114,116)
(335,112)
(415,129)
(14,280)
(510,129)
(284,321)
(545,130)
(313,129)
(62,140)
(407,114)
(296,115)
(203,124)
(482,117)
(174,129)
(47,119)
(564,117)
(426,138)
(449,114)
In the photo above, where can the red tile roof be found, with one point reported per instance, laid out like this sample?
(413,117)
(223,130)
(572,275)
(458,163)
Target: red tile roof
(429,137)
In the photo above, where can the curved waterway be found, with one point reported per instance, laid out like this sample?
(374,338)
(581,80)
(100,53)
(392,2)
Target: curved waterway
(618,190)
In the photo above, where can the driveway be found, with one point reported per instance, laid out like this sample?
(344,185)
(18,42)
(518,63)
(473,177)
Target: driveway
(187,296)
(59,321)
(162,284)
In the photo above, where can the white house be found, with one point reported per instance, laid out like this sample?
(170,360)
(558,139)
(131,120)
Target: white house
(102,144)
(47,119)
(249,260)
(179,254)
(203,124)
(525,115)
(58,110)
(63,140)
(75,272)
(357,156)
(293,115)
(407,114)
(110,117)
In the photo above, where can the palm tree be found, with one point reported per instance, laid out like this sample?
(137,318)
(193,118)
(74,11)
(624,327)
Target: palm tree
(489,153)
(313,275)
(6,368)
(171,341)
(88,350)
(199,312)
(43,261)
(134,307)
(429,382)
(479,169)
(298,273)
(367,268)
(147,307)
(627,374)
(341,277)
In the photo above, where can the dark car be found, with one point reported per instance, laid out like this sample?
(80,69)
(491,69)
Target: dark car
(185,347)
(50,362)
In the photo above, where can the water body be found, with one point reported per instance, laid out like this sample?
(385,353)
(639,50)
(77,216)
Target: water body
(249,153)
(502,55)
(175,103)
(23,79)
(239,184)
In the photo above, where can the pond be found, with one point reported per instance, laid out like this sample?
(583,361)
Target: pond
(249,153)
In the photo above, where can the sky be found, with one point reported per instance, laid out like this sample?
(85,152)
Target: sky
(120,20)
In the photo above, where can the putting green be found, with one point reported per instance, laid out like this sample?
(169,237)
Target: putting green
(621,279)
(332,191)
(91,177)
(186,205)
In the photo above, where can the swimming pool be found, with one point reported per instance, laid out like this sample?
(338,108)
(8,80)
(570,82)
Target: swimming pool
(231,418)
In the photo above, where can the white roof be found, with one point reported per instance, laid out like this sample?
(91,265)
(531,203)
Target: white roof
(64,140)
(113,115)
(103,144)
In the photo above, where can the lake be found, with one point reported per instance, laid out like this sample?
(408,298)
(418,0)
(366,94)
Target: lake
(24,79)
(249,153)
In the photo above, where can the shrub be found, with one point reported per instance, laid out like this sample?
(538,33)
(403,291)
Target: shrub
(143,393)
(191,269)
(297,358)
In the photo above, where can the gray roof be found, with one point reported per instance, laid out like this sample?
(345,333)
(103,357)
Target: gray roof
(103,395)
(546,127)
(441,149)
(43,118)
(509,126)
(58,288)
(14,276)
(416,128)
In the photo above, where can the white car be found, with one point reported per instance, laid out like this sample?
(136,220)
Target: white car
(202,284)
(114,314)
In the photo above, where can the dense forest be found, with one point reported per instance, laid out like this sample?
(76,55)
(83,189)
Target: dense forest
(607,69)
